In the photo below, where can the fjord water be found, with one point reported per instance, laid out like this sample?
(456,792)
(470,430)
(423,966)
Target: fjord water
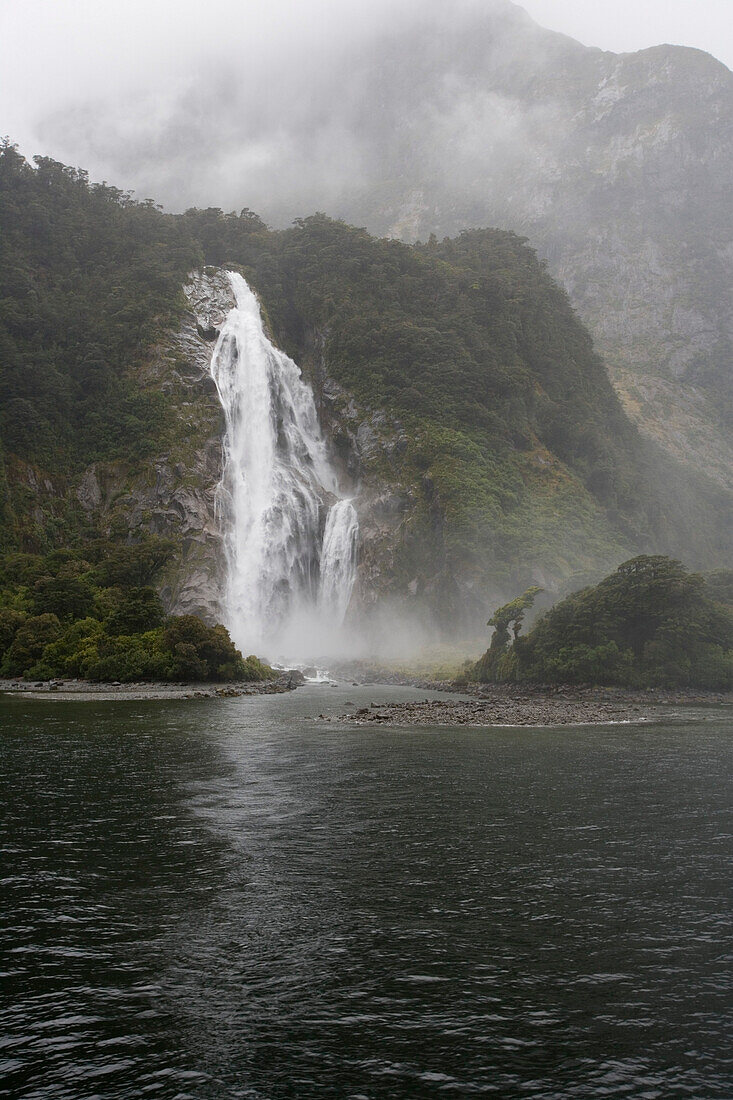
(290,541)
(235,898)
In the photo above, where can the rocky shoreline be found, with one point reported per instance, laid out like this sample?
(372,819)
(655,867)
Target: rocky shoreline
(538,707)
(93,692)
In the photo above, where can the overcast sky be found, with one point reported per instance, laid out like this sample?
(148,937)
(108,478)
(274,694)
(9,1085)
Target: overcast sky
(123,87)
(624,25)
(56,51)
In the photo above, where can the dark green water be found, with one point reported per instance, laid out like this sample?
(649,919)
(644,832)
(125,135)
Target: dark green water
(232,899)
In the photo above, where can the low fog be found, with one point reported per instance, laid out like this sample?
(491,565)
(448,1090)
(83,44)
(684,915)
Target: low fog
(226,106)
(411,118)
(288,107)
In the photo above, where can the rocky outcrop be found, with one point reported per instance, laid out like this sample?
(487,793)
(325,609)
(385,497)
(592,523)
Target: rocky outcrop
(621,180)
(180,503)
(363,446)
(617,167)
(175,494)
(210,296)
(89,491)
(402,562)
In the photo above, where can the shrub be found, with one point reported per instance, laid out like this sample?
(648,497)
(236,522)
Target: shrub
(68,597)
(138,610)
(650,623)
(29,643)
(10,622)
(187,663)
(70,654)
(216,656)
(254,670)
(137,657)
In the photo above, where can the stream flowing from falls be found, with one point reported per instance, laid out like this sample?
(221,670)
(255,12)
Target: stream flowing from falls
(290,537)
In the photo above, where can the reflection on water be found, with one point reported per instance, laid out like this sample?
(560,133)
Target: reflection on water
(232,899)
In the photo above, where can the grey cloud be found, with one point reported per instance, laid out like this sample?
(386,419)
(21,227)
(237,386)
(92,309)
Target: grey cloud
(351,108)
(294,117)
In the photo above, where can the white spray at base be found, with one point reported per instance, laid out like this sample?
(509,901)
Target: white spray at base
(289,575)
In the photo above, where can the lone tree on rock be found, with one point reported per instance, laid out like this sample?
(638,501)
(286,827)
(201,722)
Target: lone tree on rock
(510,615)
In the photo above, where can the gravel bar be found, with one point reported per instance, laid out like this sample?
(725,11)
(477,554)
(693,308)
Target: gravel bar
(519,711)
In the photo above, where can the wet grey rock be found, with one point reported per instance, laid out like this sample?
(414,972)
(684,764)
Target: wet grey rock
(89,492)
(521,710)
(210,296)
(367,441)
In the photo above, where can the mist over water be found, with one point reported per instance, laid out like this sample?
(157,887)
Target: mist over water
(290,537)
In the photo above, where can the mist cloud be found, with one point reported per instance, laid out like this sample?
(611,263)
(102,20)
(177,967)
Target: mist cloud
(287,107)
(284,108)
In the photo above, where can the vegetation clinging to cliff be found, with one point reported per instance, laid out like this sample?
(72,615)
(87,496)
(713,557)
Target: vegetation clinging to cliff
(471,334)
(88,278)
(515,448)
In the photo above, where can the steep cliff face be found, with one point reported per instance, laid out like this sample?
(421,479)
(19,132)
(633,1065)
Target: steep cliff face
(617,167)
(620,176)
(461,395)
(413,551)
(173,494)
(639,227)
(442,537)
(484,454)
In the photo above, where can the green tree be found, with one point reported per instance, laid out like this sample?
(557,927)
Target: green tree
(138,610)
(651,622)
(135,565)
(489,667)
(187,663)
(72,652)
(29,643)
(216,656)
(10,622)
(68,597)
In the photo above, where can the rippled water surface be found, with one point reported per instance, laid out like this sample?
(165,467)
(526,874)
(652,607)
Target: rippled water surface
(235,899)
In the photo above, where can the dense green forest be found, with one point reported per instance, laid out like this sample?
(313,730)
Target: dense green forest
(100,618)
(87,278)
(651,623)
(516,450)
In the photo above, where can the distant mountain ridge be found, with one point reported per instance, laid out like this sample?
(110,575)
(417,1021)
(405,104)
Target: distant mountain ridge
(617,168)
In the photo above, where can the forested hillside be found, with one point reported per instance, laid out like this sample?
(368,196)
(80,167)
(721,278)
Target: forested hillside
(87,278)
(616,166)
(453,375)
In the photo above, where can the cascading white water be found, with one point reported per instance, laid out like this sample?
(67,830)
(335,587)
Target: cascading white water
(276,483)
(338,560)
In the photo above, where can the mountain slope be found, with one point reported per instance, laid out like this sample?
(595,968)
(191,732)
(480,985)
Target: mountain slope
(461,396)
(617,167)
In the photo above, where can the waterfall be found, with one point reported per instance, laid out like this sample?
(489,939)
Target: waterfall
(276,486)
(338,560)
